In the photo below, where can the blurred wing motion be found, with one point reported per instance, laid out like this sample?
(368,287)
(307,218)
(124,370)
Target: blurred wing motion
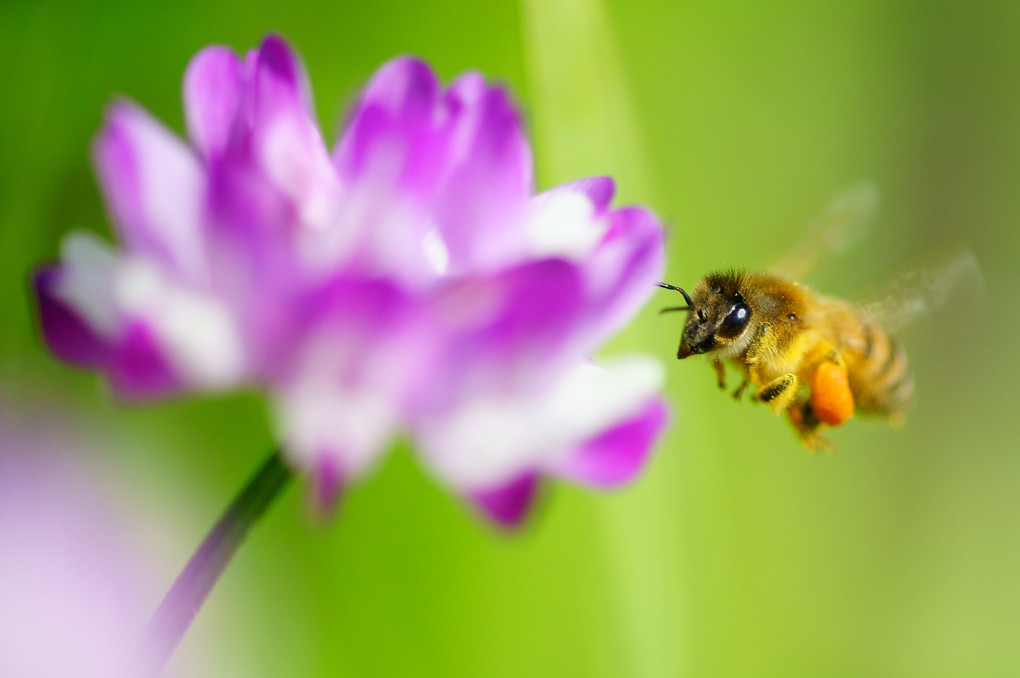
(844,224)
(922,285)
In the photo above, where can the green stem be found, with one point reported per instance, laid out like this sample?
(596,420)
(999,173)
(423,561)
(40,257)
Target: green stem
(185,598)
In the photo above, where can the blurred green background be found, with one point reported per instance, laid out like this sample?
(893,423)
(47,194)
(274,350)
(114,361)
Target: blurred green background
(736,554)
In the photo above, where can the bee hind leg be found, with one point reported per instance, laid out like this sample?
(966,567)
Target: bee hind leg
(832,401)
(809,428)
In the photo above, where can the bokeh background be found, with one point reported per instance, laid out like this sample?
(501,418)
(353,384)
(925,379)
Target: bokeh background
(736,554)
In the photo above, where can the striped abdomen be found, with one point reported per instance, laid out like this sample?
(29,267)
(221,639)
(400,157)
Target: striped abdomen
(879,375)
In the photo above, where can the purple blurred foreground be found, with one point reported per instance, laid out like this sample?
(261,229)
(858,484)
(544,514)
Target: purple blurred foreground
(70,580)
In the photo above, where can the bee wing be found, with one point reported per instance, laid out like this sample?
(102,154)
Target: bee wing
(845,222)
(922,285)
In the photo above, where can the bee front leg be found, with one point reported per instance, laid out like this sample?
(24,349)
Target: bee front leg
(779,393)
(720,374)
(758,344)
(738,394)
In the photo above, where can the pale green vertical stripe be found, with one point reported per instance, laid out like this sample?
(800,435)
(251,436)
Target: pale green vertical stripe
(582,112)
(584,123)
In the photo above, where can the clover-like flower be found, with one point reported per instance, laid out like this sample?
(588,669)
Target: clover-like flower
(409,281)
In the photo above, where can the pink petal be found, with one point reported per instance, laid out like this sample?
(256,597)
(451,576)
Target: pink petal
(490,176)
(397,114)
(327,485)
(505,332)
(281,85)
(508,504)
(154,187)
(594,424)
(249,238)
(617,455)
(212,98)
(599,190)
(66,333)
(358,347)
(138,366)
(622,271)
(286,142)
(133,360)
(124,315)
(364,317)
(458,162)
(391,160)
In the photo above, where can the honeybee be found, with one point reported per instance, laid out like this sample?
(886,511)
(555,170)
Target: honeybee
(818,359)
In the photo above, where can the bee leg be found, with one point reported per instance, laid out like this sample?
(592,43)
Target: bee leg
(738,394)
(809,427)
(779,393)
(720,374)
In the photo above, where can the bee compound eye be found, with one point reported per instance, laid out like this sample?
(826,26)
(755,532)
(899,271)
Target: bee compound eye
(735,321)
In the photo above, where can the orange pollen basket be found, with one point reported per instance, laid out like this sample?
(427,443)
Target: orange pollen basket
(831,399)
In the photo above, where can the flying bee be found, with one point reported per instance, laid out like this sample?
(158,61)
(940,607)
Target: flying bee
(818,359)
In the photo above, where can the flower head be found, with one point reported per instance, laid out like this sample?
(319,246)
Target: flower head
(408,280)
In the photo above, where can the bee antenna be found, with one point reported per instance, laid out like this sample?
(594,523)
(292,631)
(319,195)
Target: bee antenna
(687,297)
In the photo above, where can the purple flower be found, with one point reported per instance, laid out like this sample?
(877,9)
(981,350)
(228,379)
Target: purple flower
(409,281)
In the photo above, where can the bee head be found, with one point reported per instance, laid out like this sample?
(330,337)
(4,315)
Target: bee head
(718,314)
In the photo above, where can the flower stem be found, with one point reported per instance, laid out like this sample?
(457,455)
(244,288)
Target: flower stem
(182,602)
